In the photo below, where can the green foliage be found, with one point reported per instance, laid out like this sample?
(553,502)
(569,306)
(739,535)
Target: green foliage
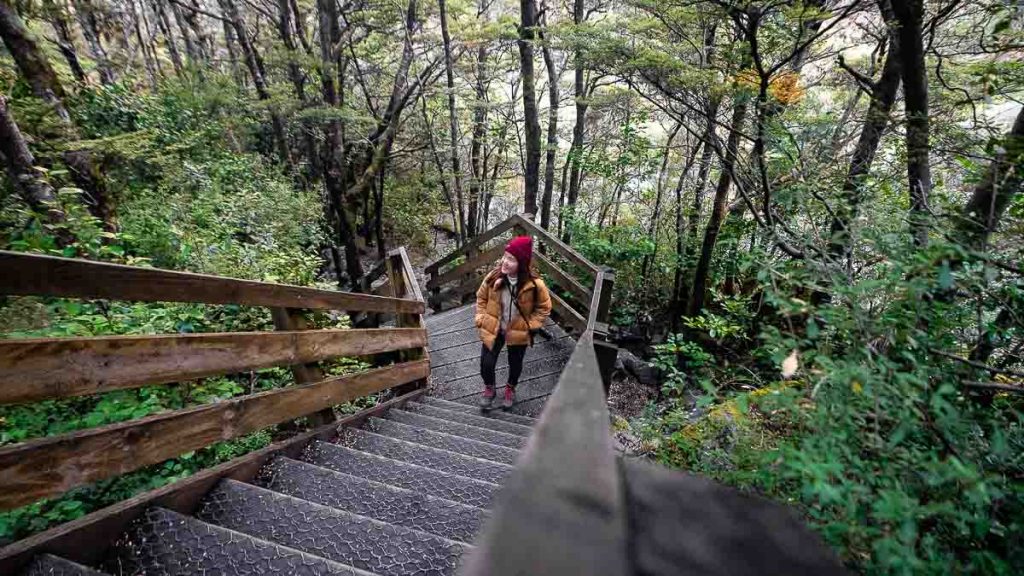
(186,199)
(900,467)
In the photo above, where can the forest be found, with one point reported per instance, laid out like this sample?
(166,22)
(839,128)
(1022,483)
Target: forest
(813,210)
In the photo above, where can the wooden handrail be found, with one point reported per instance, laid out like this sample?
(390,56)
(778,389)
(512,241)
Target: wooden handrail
(40,369)
(469,266)
(472,245)
(53,465)
(564,502)
(39,275)
(581,293)
(568,314)
(553,242)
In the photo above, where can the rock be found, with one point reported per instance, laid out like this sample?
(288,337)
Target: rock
(631,364)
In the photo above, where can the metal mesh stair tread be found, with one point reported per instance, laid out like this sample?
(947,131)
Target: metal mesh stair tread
(400,474)
(433,458)
(442,441)
(471,419)
(372,499)
(326,532)
(496,415)
(50,565)
(168,543)
(456,428)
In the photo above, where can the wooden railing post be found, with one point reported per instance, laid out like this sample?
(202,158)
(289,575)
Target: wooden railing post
(292,319)
(606,351)
(403,283)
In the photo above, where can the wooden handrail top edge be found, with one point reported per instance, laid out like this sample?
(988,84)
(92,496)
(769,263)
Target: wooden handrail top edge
(30,274)
(8,342)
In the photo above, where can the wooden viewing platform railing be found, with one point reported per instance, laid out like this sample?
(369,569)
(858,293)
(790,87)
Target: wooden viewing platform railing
(38,369)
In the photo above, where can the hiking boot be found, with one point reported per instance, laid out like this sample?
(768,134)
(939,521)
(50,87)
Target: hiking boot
(487,398)
(510,397)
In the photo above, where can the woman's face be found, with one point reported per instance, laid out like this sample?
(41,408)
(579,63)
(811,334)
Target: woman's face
(509,265)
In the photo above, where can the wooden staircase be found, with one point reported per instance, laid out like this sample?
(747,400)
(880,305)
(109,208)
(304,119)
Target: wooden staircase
(421,483)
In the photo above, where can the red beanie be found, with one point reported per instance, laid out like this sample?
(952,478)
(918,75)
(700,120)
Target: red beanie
(522,248)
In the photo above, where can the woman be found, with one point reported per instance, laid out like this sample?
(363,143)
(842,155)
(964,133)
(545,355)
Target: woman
(511,305)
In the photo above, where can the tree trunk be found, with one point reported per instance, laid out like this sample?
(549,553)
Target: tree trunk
(31,61)
(89,21)
(1002,181)
(718,212)
(652,230)
(147,58)
(453,122)
(164,24)
(27,181)
(531,172)
(552,139)
(65,40)
(330,36)
(910,15)
(576,148)
(882,98)
(258,79)
(478,167)
(186,35)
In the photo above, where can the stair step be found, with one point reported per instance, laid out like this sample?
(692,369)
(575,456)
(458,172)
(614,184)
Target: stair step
(469,364)
(420,455)
(167,543)
(468,409)
(50,565)
(456,428)
(408,476)
(372,499)
(471,419)
(442,441)
(329,533)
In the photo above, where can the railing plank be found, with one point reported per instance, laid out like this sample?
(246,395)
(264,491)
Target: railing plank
(476,242)
(85,540)
(568,314)
(36,274)
(552,241)
(468,266)
(51,466)
(457,292)
(40,369)
(562,279)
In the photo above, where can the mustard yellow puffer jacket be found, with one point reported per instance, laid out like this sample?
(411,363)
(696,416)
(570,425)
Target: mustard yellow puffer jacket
(534,304)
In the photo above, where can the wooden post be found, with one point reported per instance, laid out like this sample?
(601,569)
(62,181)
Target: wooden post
(402,287)
(474,251)
(292,319)
(605,350)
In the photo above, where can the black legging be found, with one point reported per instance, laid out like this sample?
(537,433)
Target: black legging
(488,359)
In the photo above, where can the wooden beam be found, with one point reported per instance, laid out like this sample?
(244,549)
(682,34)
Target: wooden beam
(457,292)
(567,314)
(50,466)
(286,319)
(580,293)
(38,369)
(35,274)
(469,266)
(473,244)
(86,539)
(551,241)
